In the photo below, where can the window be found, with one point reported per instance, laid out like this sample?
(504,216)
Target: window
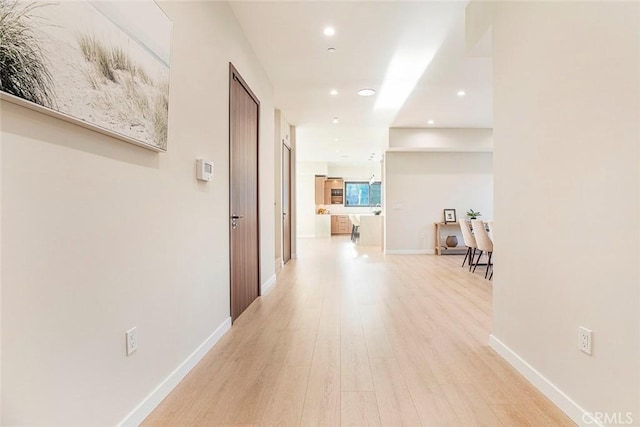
(362,194)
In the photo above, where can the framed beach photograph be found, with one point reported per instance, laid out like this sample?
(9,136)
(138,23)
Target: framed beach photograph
(92,63)
(449,216)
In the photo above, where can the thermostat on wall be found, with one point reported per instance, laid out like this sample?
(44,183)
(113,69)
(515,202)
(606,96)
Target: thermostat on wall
(204,170)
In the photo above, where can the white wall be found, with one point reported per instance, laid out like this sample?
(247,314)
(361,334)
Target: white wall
(294,190)
(1,272)
(441,139)
(420,185)
(355,172)
(566,135)
(100,236)
(306,196)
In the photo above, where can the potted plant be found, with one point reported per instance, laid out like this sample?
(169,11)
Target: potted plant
(473,214)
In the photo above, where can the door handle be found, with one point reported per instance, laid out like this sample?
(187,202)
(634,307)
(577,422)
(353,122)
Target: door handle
(234,221)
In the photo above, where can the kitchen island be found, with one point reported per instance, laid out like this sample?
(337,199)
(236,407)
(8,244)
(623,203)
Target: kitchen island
(370,230)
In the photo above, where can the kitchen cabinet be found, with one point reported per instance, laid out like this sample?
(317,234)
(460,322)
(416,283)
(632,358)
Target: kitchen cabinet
(340,224)
(320,179)
(334,191)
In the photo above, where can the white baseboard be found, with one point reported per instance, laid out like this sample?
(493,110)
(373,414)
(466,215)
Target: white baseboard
(546,387)
(279,264)
(409,251)
(306,236)
(294,256)
(154,398)
(266,286)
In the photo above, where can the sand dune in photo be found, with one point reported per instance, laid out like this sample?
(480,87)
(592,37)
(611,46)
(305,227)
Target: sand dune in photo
(129,98)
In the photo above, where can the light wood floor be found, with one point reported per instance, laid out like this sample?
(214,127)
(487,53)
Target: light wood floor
(350,336)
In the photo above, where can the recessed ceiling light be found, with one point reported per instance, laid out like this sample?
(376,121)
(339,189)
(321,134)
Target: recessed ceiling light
(329,31)
(335,120)
(337,139)
(430,122)
(366,92)
(461,93)
(333,92)
(331,49)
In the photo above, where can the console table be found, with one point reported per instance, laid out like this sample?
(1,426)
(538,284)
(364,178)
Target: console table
(440,247)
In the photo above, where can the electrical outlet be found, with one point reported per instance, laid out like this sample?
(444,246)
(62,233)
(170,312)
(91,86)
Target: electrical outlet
(132,340)
(584,340)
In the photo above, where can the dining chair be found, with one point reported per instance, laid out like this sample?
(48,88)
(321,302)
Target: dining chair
(490,233)
(469,242)
(355,227)
(485,245)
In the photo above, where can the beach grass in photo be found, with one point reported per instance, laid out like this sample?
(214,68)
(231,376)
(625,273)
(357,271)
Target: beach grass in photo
(161,118)
(96,52)
(120,60)
(23,69)
(128,88)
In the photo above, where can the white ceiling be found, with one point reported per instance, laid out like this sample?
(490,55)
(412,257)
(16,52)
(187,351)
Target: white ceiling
(289,41)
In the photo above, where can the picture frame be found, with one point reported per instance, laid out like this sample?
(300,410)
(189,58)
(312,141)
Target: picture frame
(94,64)
(450,216)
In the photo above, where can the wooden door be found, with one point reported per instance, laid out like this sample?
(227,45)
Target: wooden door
(286,203)
(244,110)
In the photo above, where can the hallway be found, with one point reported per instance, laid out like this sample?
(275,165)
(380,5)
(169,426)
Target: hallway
(349,336)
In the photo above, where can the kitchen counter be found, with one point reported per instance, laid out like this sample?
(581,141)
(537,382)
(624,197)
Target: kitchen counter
(323,225)
(370,230)
(370,227)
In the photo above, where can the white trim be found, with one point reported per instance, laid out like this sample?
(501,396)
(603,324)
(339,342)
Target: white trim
(410,251)
(294,256)
(154,398)
(266,286)
(306,236)
(557,396)
(439,150)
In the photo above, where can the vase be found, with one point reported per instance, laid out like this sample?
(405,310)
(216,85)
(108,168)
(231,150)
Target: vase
(452,241)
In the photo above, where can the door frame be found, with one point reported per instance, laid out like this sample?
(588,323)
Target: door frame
(234,74)
(286,146)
